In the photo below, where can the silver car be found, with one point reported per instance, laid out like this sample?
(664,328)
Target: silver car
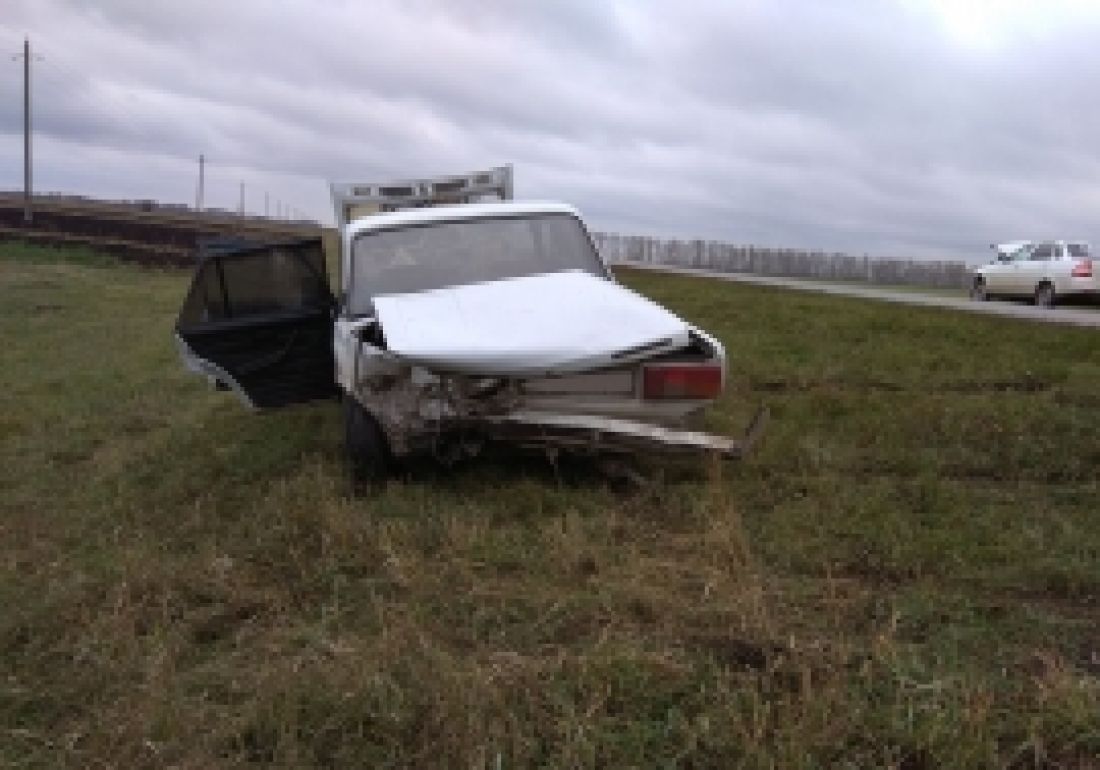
(1045,272)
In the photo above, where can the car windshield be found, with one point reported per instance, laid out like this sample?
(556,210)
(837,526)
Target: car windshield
(441,254)
(1078,249)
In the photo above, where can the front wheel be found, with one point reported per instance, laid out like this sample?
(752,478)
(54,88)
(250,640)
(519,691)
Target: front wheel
(1044,294)
(368,450)
(978,291)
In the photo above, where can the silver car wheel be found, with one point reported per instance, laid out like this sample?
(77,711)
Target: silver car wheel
(977,290)
(1044,295)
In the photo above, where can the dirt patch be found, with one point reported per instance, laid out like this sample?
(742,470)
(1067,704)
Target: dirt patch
(737,653)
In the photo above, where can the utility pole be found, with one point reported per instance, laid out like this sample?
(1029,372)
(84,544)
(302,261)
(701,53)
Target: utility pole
(266,202)
(28,192)
(240,206)
(27,215)
(202,182)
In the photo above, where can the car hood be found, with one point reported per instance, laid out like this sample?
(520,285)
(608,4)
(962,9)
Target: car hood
(554,323)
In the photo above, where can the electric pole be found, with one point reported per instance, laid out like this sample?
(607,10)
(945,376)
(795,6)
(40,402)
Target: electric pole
(202,181)
(240,206)
(266,202)
(27,131)
(27,186)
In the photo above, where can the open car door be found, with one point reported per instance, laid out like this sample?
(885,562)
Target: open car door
(258,319)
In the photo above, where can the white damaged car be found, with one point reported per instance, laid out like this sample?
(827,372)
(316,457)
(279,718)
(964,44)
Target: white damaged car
(454,326)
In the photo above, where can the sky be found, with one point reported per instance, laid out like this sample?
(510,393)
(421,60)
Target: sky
(907,128)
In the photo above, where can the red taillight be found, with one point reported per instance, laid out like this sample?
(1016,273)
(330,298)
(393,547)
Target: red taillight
(681,381)
(1082,269)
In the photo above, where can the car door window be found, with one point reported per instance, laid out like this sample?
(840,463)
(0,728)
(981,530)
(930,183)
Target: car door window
(257,283)
(1043,252)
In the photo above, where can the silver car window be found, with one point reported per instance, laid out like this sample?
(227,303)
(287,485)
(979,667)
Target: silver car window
(1043,252)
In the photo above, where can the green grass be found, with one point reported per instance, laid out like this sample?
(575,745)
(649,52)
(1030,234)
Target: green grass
(904,574)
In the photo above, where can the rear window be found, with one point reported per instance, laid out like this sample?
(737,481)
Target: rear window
(1078,249)
(465,251)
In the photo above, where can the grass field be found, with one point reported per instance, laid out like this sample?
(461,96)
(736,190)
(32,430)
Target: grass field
(905,574)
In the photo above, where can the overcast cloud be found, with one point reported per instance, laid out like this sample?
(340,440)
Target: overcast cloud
(891,127)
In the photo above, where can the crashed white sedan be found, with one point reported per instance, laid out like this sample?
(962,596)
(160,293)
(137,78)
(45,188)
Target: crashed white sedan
(455,326)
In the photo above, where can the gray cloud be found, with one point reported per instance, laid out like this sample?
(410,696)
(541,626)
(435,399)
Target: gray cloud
(865,126)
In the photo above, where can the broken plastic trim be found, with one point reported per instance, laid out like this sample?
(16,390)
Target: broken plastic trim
(639,349)
(592,433)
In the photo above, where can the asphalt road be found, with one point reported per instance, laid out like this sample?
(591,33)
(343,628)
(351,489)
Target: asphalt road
(1069,316)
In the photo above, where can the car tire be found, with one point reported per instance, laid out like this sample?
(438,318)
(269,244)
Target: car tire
(978,291)
(1044,294)
(368,451)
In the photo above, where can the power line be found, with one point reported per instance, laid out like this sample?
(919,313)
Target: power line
(69,83)
(117,108)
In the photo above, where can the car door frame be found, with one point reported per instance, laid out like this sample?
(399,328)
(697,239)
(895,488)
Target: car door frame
(258,320)
(1033,268)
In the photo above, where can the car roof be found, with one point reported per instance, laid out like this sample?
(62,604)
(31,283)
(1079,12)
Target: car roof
(464,211)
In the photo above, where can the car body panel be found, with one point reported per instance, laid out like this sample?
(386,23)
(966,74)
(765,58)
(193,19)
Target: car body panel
(536,325)
(1080,286)
(1003,276)
(999,276)
(1033,267)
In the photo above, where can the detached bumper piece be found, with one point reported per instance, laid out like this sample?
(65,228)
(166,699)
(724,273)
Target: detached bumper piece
(590,433)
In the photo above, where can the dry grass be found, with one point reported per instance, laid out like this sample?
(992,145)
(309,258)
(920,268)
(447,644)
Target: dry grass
(905,575)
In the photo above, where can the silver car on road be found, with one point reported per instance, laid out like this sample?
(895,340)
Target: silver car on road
(1045,271)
